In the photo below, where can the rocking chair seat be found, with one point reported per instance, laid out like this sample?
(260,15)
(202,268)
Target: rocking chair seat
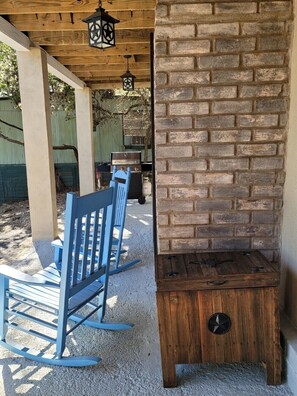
(49,296)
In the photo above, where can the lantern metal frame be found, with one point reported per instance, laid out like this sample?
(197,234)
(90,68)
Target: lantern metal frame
(128,78)
(101,30)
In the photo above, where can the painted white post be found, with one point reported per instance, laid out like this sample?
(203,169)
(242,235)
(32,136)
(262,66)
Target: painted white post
(85,140)
(33,79)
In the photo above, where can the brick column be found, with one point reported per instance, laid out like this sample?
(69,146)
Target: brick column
(221,75)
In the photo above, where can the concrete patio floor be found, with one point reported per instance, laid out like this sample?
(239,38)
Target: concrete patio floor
(130,360)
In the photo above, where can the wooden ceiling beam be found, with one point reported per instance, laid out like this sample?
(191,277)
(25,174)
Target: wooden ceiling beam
(60,71)
(85,75)
(81,37)
(106,60)
(77,60)
(71,21)
(117,85)
(62,6)
(114,78)
(110,68)
(85,50)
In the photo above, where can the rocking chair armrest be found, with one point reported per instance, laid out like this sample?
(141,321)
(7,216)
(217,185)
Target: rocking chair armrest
(57,243)
(19,276)
(58,246)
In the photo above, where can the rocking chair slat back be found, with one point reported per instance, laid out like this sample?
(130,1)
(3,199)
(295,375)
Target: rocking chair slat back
(123,177)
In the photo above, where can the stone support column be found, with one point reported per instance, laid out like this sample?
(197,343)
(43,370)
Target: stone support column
(85,141)
(33,79)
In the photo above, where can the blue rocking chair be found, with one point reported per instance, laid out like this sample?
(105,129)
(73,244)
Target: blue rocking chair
(76,288)
(122,178)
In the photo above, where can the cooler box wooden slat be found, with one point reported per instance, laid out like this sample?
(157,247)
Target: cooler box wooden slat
(218,307)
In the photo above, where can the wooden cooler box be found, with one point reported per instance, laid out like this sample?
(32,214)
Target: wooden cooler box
(218,307)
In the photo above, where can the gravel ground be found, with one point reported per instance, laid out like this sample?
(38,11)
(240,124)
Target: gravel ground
(131,359)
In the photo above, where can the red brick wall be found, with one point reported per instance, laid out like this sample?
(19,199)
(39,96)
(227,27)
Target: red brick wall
(221,76)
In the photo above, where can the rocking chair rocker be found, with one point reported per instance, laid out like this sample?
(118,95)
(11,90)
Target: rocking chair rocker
(64,290)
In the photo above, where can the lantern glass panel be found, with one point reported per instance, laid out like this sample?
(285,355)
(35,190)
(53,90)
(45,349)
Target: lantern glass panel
(128,83)
(108,37)
(95,33)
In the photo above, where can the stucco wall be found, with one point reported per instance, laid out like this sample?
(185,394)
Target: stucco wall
(221,105)
(289,226)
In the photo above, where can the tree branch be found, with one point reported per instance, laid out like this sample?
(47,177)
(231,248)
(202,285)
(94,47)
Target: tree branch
(10,125)
(68,147)
(64,147)
(10,139)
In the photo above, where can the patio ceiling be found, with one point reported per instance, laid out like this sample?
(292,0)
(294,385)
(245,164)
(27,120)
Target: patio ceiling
(57,27)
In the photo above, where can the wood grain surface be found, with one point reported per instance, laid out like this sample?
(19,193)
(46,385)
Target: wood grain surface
(251,301)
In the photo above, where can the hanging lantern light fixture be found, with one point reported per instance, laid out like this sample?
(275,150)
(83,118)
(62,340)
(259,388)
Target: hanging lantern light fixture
(101,28)
(128,78)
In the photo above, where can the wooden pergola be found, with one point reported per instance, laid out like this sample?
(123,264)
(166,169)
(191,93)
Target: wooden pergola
(49,36)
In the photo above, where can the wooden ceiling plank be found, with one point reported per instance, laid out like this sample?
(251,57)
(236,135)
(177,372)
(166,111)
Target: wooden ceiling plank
(77,60)
(105,73)
(59,38)
(62,6)
(81,37)
(120,49)
(115,78)
(117,85)
(108,60)
(111,68)
(58,22)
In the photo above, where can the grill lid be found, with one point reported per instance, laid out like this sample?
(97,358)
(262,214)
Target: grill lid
(126,158)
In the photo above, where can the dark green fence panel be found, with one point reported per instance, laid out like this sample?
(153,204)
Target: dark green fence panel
(13,181)
(69,175)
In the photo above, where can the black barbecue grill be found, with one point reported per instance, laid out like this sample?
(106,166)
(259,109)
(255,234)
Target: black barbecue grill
(131,159)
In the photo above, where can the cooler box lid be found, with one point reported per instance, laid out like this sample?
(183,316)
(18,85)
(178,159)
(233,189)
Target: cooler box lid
(215,270)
